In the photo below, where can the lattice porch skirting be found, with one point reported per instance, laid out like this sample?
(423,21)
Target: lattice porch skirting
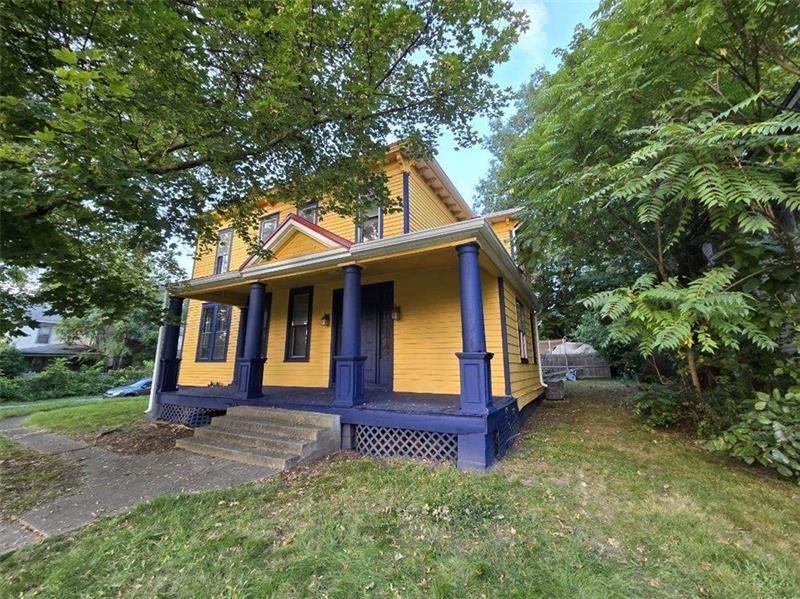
(386,442)
(187,415)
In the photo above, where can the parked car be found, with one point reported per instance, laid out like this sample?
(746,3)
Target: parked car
(141,387)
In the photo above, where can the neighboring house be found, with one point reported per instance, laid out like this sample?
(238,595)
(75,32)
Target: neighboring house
(414,326)
(41,344)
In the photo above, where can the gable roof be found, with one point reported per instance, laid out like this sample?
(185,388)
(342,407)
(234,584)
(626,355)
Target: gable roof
(294,223)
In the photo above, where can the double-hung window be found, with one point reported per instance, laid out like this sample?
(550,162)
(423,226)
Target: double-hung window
(522,334)
(310,212)
(267,226)
(298,326)
(369,225)
(212,342)
(222,257)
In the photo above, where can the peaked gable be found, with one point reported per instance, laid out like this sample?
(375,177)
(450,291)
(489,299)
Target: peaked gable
(297,236)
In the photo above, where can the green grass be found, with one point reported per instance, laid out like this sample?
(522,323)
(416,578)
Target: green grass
(89,418)
(25,408)
(29,478)
(590,503)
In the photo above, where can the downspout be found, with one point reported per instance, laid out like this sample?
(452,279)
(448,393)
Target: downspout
(152,406)
(538,354)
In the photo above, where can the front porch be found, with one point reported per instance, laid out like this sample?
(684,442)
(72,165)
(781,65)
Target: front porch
(390,323)
(417,418)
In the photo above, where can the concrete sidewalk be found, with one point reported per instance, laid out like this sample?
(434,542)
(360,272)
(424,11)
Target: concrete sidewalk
(112,483)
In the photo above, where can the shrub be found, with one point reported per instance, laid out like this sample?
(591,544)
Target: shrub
(10,390)
(12,362)
(661,405)
(768,434)
(57,380)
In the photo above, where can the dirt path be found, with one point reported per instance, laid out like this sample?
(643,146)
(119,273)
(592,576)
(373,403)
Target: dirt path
(112,483)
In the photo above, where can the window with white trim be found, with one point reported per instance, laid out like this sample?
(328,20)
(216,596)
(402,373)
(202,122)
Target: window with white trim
(310,212)
(222,257)
(267,226)
(369,227)
(522,333)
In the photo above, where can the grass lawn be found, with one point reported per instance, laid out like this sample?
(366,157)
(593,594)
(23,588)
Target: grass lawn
(29,478)
(589,504)
(89,419)
(24,408)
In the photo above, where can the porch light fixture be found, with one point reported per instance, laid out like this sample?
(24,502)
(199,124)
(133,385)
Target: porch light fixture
(325,320)
(396,313)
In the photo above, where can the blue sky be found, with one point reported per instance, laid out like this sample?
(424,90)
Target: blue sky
(552,24)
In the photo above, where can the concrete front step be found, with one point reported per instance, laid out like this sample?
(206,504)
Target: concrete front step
(278,415)
(265,441)
(254,456)
(237,424)
(269,437)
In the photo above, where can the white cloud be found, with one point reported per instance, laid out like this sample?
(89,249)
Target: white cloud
(533,43)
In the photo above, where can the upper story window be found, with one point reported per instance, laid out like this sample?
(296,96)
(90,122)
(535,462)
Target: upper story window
(522,334)
(212,342)
(369,227)
(310,212)
(298,326)
(44,333)
(222,257)
(267,226)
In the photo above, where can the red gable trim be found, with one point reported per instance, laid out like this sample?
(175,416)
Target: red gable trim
(304,223)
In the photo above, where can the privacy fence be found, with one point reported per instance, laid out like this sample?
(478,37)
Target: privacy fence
(586,366)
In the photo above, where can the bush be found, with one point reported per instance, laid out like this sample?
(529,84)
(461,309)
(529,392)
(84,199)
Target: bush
(768,434)
(57,380)
(10,390)
(662,406)
(12,362)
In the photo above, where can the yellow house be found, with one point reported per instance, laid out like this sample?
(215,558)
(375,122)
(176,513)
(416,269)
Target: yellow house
(414,327)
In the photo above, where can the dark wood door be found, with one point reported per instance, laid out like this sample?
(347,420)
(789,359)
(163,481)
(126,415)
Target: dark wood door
(377,302)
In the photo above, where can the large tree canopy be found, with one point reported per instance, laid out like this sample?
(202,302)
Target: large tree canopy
(662,156)
(124,123)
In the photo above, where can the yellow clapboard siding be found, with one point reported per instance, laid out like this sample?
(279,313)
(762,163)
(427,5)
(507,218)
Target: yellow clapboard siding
(339,225)
(427,209)
(299,244)
(426,338)
(524,378)
(503,229)
(193,372)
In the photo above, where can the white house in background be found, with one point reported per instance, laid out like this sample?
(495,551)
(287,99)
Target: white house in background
(41,344)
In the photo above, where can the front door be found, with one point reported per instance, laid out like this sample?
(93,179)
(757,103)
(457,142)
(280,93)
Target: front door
(377,302)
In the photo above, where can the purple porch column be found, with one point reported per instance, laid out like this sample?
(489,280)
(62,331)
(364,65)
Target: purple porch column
(475,450)
(474,360)
(170,363)
(250,368)
(350,363)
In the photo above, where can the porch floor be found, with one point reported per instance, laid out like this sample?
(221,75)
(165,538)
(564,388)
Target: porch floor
(424,411)
(303,397)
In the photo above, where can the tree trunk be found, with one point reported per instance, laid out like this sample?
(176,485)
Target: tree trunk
(693,370)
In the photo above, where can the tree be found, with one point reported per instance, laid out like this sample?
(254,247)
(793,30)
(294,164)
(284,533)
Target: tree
(132,124)
(666,143)
(122,342)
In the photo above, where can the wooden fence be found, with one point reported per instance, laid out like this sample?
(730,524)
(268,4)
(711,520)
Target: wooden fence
(586,366)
